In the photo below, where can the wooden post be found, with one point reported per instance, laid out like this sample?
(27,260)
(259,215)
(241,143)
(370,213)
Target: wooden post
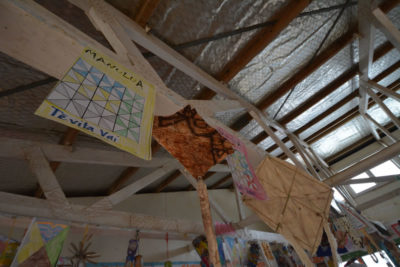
(207,222)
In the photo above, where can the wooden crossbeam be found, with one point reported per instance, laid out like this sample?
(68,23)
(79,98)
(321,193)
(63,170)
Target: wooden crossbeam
(124,193)
(40,208)
(380,179)
(221,181)
(378,200)
(45,175)
(387,27)
(299,76)
(342,102)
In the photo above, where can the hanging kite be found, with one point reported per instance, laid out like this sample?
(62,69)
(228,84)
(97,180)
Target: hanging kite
(242,171)
(191,140)
(41,245)
(104,99)
(298,204)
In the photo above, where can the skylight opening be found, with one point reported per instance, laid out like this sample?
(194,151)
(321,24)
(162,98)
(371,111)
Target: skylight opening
(386,168)
(358,188)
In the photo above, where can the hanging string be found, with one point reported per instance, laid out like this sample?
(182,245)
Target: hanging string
(166,240)
(9,236)
(315,53)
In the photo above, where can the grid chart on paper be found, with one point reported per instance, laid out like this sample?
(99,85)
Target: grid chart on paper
(95,97)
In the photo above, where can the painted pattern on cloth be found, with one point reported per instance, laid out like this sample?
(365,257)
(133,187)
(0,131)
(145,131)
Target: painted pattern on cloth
(191,140)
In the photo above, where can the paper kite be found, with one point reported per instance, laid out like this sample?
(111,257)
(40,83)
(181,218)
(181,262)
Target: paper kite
(41,245)
(242,171)
(104,99)
(298,204)
(191,140)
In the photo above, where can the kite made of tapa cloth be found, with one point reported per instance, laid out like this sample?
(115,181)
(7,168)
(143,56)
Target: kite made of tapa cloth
(297,206)
(104,99)
(41,245)
(191,140)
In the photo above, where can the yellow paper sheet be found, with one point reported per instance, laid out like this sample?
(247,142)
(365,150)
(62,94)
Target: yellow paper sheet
(104,99)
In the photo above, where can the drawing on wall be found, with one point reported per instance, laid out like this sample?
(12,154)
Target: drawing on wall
(102,98)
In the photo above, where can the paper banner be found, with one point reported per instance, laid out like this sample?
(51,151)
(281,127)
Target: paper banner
(191,140)
(41,245)
(104,99)
(242,171)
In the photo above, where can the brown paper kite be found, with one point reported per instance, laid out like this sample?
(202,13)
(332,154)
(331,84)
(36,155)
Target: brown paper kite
(298,205)
(191,140)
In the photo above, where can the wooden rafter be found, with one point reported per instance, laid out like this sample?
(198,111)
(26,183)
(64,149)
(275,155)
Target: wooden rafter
(146,11)
(221,181)
(262,39)
(384,49)
(348,116)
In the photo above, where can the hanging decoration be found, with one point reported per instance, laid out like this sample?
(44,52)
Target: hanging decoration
(132,259)
(168,263)
(298,204)
(201,247)
(81,253)
(104,99)
(41,245)
(191,140)
(242,170)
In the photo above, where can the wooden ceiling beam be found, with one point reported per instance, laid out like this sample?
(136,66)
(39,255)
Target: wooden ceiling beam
(258,43)
(345,77)
(172,177)
(299,76)
(348,116)
(142,17)
(221,181)
(145,12)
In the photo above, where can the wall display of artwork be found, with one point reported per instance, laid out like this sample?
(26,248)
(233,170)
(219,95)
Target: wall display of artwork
(104,99)
(41,245)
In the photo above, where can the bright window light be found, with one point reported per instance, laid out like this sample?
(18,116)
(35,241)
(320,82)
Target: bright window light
(358,188)
(386,168)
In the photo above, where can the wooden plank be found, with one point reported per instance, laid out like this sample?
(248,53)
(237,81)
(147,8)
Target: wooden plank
(376,201)
(368,163)
(382,105)
(266,35)
(40,208)
(221,181)
(45,175)
(381,179)
(122,179)
(172,177)
(208,223)
(146,11)
(380,127)
(126,192)
(335,107)
(387,27)
(13,148)
(367,40)
(384,90)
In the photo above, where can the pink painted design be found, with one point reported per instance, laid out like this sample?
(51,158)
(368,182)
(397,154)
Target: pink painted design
(242,171)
